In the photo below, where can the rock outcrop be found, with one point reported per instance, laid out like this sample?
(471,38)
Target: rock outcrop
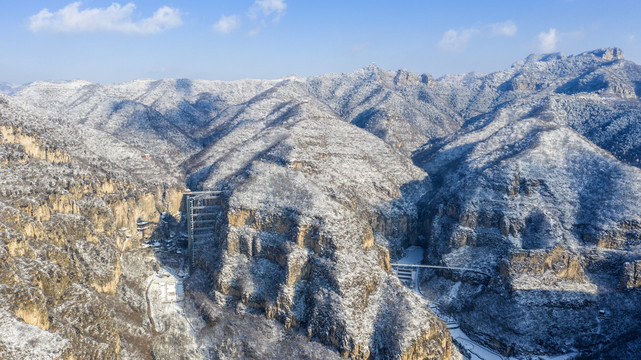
(631,275)
(62,241)
(542,209)
(300,247)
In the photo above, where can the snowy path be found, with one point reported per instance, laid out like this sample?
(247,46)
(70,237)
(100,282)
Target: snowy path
(150,314)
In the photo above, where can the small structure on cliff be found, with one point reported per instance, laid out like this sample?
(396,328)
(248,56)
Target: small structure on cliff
(141,226)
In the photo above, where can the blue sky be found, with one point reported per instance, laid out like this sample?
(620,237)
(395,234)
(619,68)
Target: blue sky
(108,41)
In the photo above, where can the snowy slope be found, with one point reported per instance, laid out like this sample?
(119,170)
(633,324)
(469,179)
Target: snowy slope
(552,215)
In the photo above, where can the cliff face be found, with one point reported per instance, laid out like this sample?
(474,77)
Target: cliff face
(552,216)
(299,244)
(65,227)
(63,261)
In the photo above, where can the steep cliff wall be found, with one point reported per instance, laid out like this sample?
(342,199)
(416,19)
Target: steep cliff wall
(551,216)
(61,239)
(309,248)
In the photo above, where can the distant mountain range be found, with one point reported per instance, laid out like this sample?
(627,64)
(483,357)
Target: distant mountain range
(9,88)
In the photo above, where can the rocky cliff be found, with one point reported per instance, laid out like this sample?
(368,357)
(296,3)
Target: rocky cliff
(301,243)
(66,225)
(550,214)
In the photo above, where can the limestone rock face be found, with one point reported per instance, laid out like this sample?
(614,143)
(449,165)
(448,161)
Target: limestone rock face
(558,261)
(542,209)
(32,146)
(61,243)
(631,275)
(403,77)
(609,54)
(300,245)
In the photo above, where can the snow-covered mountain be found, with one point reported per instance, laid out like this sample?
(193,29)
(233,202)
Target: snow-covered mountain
(530,174)
(9,88)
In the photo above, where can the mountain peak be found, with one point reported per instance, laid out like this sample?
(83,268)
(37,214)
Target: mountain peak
(372,67)
(544,57)
(608,54)
(605,54)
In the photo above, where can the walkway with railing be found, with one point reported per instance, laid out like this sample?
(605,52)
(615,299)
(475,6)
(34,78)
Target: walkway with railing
(415,267)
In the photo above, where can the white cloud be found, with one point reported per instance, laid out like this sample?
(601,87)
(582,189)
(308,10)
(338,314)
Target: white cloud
(548,40)
(71,19)
(267,8)
(255,31)
(263,10)
(227,24)
(506,28)
(456,39)
(260,12)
